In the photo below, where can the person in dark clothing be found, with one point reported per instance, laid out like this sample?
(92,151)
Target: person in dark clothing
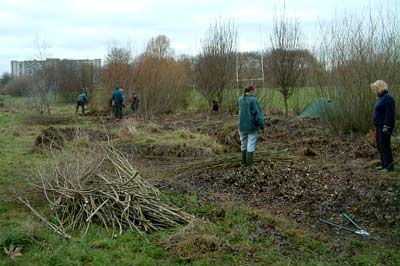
(135,103)
(251,119)
(117,101)
(384,121)
(215,106)
(81,101)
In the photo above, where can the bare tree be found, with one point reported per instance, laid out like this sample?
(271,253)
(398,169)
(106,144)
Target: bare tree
(216,64)
(45,80)
(355,52)
(284,66)
(75,77)
(160,79)
(18,86)
(69,79)
(117,70)
(89,76)
(160,47)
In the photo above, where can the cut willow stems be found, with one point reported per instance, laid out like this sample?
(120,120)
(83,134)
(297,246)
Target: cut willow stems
(231,160)
(101,187)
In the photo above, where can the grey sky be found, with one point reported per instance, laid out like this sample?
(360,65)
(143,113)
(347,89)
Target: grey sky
(83,29)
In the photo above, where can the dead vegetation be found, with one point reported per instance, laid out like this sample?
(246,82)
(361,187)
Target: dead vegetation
(196,240)
(51,119)
(100,186)
(12,252)
(164,141)
(167,151)
(303,170)
(232,160)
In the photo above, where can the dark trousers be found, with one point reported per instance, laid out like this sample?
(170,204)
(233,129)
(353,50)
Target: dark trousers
(134,107)
(118,110)
(385,151)
(80,104)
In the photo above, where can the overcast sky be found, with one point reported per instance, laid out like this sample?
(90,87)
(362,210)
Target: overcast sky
(80,29)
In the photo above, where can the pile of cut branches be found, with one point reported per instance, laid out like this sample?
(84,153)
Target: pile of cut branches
(100,186)
(229,160)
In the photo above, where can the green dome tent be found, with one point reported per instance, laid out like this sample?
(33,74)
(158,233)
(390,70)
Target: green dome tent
(318,107)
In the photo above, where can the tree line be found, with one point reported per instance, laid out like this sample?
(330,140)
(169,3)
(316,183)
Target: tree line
(349,54)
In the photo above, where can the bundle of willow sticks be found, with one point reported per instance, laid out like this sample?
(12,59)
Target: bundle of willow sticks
(230,160)
(101,187)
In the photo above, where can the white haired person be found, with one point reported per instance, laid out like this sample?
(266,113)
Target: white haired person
(384,121)
(251,119)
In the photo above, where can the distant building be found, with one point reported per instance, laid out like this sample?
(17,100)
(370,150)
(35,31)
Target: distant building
(27,68)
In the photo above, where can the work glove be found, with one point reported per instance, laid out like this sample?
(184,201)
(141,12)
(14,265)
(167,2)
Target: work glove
(386,130)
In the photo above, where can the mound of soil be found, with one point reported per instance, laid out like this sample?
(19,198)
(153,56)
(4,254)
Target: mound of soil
(54,137)
(316,138)
(302,192)
(50,137)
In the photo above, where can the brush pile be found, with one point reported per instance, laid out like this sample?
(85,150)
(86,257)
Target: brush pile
(100,186)
(268,152)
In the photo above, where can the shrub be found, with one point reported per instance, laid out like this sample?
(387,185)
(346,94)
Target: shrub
(100,102)
(355,52)
(161,84)
(17,86)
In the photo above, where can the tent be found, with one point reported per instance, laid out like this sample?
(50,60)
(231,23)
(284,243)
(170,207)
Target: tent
(319,107)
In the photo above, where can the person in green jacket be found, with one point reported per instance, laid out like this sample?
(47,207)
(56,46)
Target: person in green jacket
(251,119)
(81,101)
(117,102)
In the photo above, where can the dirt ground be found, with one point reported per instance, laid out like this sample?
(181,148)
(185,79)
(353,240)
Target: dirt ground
(303,169)
(318,174)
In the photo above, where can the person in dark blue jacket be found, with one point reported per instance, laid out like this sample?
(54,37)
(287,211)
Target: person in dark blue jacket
(117,101)
(251,119)
(135,103)
(384,122)
(81,101)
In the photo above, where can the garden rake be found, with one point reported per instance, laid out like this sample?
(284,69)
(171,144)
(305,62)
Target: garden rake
(359,231)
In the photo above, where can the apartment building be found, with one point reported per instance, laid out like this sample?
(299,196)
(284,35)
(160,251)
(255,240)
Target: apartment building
(27,68)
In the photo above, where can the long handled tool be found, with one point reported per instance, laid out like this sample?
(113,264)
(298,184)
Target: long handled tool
(358,231)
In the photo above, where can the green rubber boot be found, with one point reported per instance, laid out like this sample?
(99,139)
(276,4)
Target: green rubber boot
(249,158)
(244,157)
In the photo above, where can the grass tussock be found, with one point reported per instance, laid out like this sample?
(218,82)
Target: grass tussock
(196,240)
(134,133)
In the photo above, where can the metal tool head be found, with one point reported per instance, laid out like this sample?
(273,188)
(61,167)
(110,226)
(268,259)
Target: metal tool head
(361,232)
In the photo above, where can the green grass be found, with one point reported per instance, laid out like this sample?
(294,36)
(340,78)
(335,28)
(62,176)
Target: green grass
(300,98)
(269,99)
(196,102)
(251,236)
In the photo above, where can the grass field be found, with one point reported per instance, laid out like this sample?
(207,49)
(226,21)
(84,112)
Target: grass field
(238,234)
(269,99)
